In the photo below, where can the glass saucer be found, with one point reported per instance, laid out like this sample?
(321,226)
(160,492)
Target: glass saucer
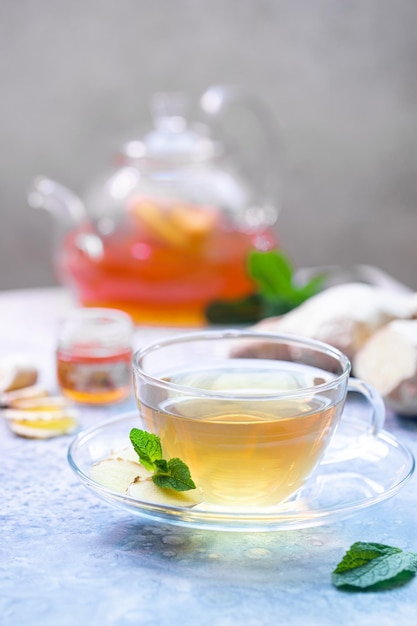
(349,479)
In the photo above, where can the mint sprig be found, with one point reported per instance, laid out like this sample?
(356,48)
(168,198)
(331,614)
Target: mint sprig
(374,567)
(147,446)
(172,474)
(276,291)
(274,275)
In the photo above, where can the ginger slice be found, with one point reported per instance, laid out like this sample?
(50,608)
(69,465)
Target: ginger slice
(33,425)
(128,454)
(41,403)
(10,398)
(147,490)
(196,222)
(123,475)
(156,218)
(17,371)
(41,417)
(179,225)
(388,362)
(117,473)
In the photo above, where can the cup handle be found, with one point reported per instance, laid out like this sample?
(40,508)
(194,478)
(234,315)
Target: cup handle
(354,432)
(377,415)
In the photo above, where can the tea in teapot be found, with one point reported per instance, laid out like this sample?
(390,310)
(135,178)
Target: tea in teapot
(168,231)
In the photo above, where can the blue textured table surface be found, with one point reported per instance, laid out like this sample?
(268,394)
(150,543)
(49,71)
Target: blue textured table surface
(68,558)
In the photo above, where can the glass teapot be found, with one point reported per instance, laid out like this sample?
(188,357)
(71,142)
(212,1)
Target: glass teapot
(168,230)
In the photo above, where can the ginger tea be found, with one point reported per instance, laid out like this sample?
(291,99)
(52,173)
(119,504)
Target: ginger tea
(246,448)
(161,273)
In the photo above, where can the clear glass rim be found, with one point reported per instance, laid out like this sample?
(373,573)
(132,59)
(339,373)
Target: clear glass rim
(95,331)
(211,335)
(90,313)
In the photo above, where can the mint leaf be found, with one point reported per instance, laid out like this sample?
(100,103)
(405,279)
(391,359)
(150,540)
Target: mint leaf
(309,289)
(360,553)
(276,291)
(272,271)
(147,446)
(374,566)
(173,474)
(274,275)
(241,311)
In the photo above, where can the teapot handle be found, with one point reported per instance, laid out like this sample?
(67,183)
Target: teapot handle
(62,203)
(69,211)
(216,102)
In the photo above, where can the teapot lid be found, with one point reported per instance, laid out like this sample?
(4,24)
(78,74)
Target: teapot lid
(172,140)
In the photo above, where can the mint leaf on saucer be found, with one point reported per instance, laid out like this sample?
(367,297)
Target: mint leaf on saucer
(147,446)
(173,474)
(374,567)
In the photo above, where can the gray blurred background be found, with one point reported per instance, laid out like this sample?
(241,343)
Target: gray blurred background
(340,79)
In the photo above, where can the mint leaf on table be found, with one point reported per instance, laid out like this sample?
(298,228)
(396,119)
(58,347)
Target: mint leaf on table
(274,275)
(374,567)
(242,311)
(172,474)
(272,271)
(276,291)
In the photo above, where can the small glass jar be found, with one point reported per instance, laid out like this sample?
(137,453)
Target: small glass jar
(94,355)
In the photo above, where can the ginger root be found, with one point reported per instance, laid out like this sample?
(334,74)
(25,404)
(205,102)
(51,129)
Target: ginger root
(344,316)
(16,372)
(388,362)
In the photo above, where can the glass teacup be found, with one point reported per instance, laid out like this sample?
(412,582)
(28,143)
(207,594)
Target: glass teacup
(252,414)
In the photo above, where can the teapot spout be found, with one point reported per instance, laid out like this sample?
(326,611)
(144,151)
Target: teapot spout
(58,200)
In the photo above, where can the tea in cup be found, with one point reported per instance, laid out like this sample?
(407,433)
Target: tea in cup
(250,413)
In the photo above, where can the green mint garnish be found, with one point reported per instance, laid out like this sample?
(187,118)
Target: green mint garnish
(276,291)
(172,474)
(374,567)
(274,274)
(147,446)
